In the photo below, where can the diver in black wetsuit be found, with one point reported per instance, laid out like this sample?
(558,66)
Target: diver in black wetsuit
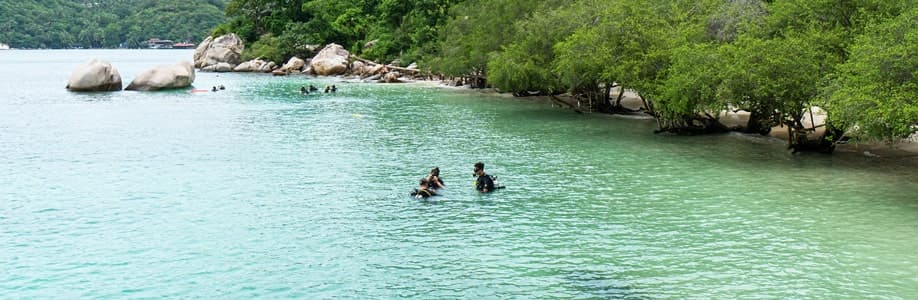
(484,183)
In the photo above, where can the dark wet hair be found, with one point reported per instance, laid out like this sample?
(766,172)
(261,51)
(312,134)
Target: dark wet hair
(424,181)
(479,166)
(435,171)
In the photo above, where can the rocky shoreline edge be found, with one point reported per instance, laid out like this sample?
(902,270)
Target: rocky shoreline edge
(224,54)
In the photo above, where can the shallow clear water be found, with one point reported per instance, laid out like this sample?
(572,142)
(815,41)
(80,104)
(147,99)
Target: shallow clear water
(258,192)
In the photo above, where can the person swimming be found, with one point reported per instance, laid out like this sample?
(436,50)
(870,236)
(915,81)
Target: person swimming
(214,89)
(313,88)
(334,89)
(303,90)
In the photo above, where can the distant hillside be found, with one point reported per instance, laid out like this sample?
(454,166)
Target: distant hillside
(105,23)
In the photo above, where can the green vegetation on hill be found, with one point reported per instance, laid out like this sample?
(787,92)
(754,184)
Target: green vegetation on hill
(105,23)
(279,29)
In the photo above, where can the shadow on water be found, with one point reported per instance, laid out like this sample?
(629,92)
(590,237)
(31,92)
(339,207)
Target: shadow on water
(97,96)
(600,285)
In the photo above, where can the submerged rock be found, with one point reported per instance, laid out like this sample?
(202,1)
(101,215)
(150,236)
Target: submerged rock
(332,60)
(161,77)
(94,76)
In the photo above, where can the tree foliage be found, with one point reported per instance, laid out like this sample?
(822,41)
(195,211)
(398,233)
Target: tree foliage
(876,89)
(691,59)
(104,23)
(376,29)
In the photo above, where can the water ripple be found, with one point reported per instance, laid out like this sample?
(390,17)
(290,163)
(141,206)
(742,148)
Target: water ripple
(258,192)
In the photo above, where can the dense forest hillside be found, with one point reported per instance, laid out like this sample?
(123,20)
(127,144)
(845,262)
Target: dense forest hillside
(375,29)
(105,23)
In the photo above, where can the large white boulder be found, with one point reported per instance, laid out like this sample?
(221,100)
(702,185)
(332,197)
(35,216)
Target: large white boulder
(332,60)
(295,64)
(161,77)
(201,51)
(223,49)
(94,76)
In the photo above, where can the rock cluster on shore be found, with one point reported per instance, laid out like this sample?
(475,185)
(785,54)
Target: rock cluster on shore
(222,54)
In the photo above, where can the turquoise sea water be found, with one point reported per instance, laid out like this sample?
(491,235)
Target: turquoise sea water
(259,192)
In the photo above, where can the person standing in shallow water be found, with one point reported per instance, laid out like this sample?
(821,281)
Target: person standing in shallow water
(434,179)
(484,183)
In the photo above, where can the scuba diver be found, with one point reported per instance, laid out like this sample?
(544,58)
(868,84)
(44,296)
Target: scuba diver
(423,190)
(484,182)
(434,180)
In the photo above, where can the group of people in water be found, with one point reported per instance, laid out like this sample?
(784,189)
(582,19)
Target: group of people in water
(429,185)
(313,89)
(218,87)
